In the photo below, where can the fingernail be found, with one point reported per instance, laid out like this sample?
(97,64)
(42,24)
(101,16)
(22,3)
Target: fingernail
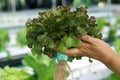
(79,35)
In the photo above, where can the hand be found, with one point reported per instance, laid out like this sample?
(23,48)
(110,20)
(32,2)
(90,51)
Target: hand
(97,49)
(91,47)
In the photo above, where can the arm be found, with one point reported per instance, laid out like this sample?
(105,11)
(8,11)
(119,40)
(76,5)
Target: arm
(114,63)
(97,49)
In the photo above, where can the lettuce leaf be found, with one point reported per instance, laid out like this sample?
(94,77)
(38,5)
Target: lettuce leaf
(43,66)
(13,73)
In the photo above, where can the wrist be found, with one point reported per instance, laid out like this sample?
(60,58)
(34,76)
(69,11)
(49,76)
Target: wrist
(113,63)
(110,58)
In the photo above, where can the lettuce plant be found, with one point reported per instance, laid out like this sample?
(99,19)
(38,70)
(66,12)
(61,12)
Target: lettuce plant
(4,39)
(59,28)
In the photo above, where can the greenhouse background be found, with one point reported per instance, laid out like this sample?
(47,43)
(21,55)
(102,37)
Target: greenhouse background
(13,48)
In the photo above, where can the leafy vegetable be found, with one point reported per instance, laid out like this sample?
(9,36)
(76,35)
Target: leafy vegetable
(21,37)
(102,22)
(4,39)
(58,28)
(112,33)
(43,66)
(118,19)
(79,3)
(12,73)
(113,77)
(116,44)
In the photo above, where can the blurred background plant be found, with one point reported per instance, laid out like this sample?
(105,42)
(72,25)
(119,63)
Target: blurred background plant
(21,38)
(113,77)
(14,73)
(43,66)
(117,45)
(101,21)
(112,33)
(4,39)
(79,3)
(118,19)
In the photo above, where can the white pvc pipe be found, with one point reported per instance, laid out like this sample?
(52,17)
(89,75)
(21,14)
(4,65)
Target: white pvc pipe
(54,4)
(63,2)
(13,5)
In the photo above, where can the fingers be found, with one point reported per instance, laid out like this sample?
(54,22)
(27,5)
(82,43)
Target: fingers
(83,49)
(87,38)
(72,52)
(79,51)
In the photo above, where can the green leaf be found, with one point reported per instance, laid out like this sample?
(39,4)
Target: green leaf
(43,66)
(4,39)
(113,77)
(71,41)
(116,44)
(68,41)
(118,19)
(14,73)
(62,46)
(101,22)
(51,44)
(82,30)
(21,37)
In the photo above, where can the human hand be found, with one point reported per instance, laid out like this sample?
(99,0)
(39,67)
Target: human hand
(97,49)
(91,47)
